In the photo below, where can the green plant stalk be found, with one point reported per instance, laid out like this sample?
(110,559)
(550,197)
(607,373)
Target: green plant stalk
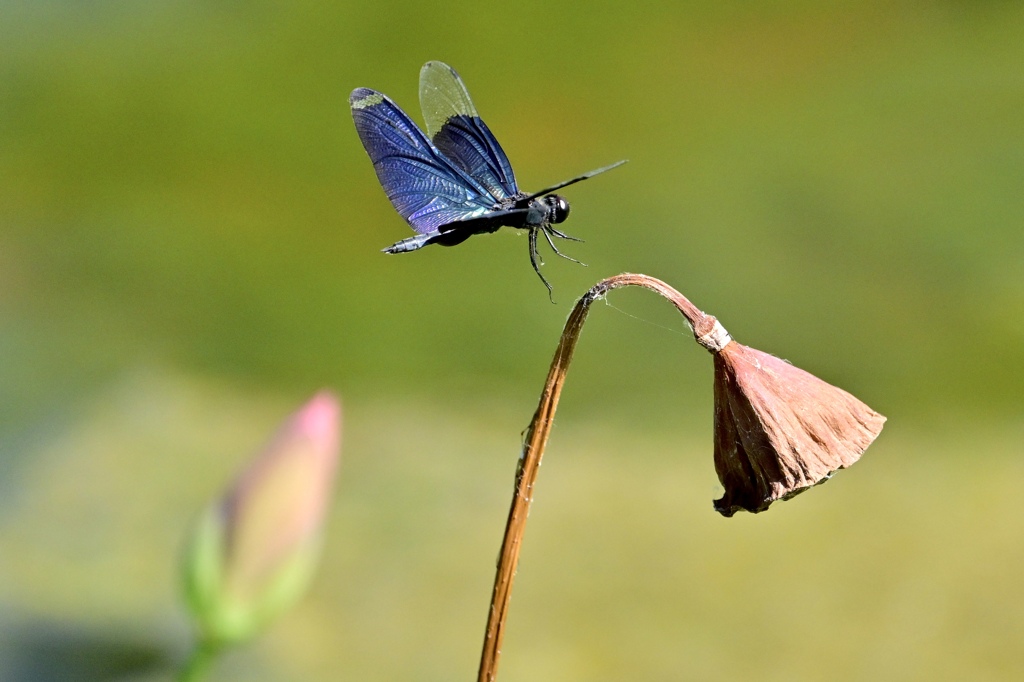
(204,653)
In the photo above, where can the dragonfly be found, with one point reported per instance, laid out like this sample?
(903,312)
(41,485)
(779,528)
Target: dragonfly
(455,181)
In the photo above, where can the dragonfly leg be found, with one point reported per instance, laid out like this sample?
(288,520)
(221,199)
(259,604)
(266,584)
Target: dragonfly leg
(554,248)
(563,235)
(534,257)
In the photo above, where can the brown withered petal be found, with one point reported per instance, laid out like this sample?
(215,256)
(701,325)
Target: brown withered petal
(780,430)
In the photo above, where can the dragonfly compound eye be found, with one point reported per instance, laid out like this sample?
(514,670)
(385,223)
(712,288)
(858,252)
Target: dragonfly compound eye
(561,209)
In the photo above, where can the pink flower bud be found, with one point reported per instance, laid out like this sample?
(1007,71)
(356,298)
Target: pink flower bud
(256,547)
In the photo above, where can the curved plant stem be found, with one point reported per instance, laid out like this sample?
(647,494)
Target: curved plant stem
(536,440)
(199,661)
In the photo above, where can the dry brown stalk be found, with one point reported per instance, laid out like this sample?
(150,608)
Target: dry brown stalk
(778,431)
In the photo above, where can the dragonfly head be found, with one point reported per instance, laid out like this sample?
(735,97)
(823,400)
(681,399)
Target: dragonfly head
(558,208)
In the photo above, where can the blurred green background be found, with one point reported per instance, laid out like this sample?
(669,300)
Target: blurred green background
(189,248)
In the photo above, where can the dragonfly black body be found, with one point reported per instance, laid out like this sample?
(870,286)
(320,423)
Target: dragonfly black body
(458,182)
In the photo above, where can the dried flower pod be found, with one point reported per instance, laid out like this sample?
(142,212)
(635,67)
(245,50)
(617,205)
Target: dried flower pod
(780,430)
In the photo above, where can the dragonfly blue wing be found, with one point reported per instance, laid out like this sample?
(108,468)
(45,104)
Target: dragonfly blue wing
(457,130)
(425,187)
